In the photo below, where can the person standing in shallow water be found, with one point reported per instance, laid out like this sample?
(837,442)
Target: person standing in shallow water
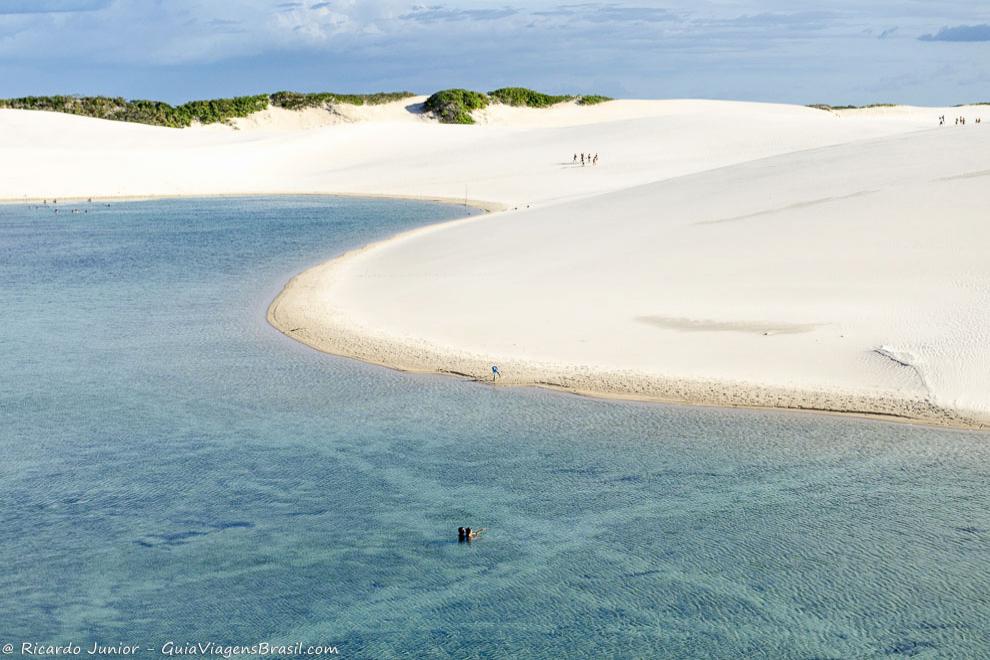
(468,534)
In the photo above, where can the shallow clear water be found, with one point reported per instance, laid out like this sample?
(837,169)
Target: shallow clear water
(174,469)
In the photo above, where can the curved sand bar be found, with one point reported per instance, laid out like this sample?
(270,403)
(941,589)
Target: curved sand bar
(850,278)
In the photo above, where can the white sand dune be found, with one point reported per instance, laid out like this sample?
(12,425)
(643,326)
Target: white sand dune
(724,253)
(519,157)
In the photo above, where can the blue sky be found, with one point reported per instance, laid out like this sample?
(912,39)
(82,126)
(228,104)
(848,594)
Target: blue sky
(841,51)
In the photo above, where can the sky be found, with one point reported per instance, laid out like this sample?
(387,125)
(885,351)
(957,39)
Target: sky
(832,51)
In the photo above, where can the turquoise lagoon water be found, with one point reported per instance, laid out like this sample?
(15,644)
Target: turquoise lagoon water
(173,469)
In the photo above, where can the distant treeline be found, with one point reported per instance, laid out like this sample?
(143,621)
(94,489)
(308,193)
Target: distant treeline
(823,106)
(451,106)
(158,113)
(454,106)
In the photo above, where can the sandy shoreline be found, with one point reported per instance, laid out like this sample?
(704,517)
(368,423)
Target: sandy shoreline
(487,206)
(336,334)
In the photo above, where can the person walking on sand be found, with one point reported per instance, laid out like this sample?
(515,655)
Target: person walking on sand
(495,372)
(575,159)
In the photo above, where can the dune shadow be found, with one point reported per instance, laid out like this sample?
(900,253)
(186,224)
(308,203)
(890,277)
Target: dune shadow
(707,325)
(789,207)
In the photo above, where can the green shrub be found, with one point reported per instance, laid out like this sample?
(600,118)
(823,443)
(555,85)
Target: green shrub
(296,101)
(593,99)
(520,96)
(219,110)
(454,106)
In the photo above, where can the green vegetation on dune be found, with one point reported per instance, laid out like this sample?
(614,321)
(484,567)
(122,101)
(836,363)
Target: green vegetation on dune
(520,96)
(454,106)
(593,99)
(297,101)
(156,113)
(220,110)
(449,106)
(212,111)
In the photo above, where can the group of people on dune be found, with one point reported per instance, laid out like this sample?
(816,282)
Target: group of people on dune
(960,120)
(586,159)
